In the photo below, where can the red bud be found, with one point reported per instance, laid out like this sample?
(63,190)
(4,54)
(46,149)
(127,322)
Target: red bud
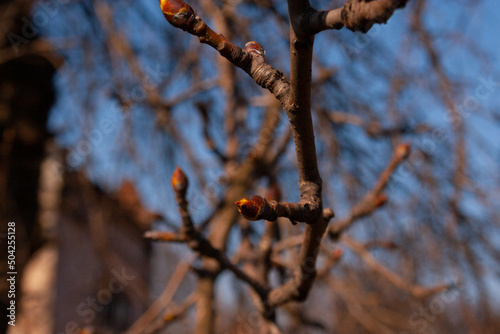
(251,207)
(177,12)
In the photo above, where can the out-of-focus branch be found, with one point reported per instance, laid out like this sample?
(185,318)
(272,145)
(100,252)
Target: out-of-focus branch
(165,236)
(162,301)
(99,234)
(415,290)
(372,128)
(383,244)
(332,259)
(374,198)
(355,15)
(208,139)
(298,110)
(297,106)
(354,303)
(459,177)
(400,153)
(295,97)
(173,313)
(119,48)
(221,17)
(281,147)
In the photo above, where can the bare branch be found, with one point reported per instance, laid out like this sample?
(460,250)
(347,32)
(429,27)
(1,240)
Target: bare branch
(250,59)
(163,300)
(203,109)
(257,208)
(355,15)
(416,291)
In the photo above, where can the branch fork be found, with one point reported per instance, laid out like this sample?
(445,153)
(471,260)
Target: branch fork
(295,98)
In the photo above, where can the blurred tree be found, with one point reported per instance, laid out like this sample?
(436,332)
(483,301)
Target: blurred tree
(31,174)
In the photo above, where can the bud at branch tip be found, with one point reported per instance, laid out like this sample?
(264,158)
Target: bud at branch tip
(251,207)
(176,12)
(179,180)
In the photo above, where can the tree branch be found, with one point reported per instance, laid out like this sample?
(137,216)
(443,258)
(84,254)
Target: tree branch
(355,15)
(250,59)
(163,300)
(197,242)
(299,113)
(257,208)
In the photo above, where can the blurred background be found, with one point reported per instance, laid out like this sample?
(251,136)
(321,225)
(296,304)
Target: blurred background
(101,100)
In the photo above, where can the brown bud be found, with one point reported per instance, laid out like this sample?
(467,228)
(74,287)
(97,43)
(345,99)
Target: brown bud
(177,12)
(254,47)
(179,181)
(402,150)
(251,207)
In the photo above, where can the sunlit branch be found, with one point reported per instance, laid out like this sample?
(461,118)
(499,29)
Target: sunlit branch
(355,15)
(258,208)
(250,59)
(195,239)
